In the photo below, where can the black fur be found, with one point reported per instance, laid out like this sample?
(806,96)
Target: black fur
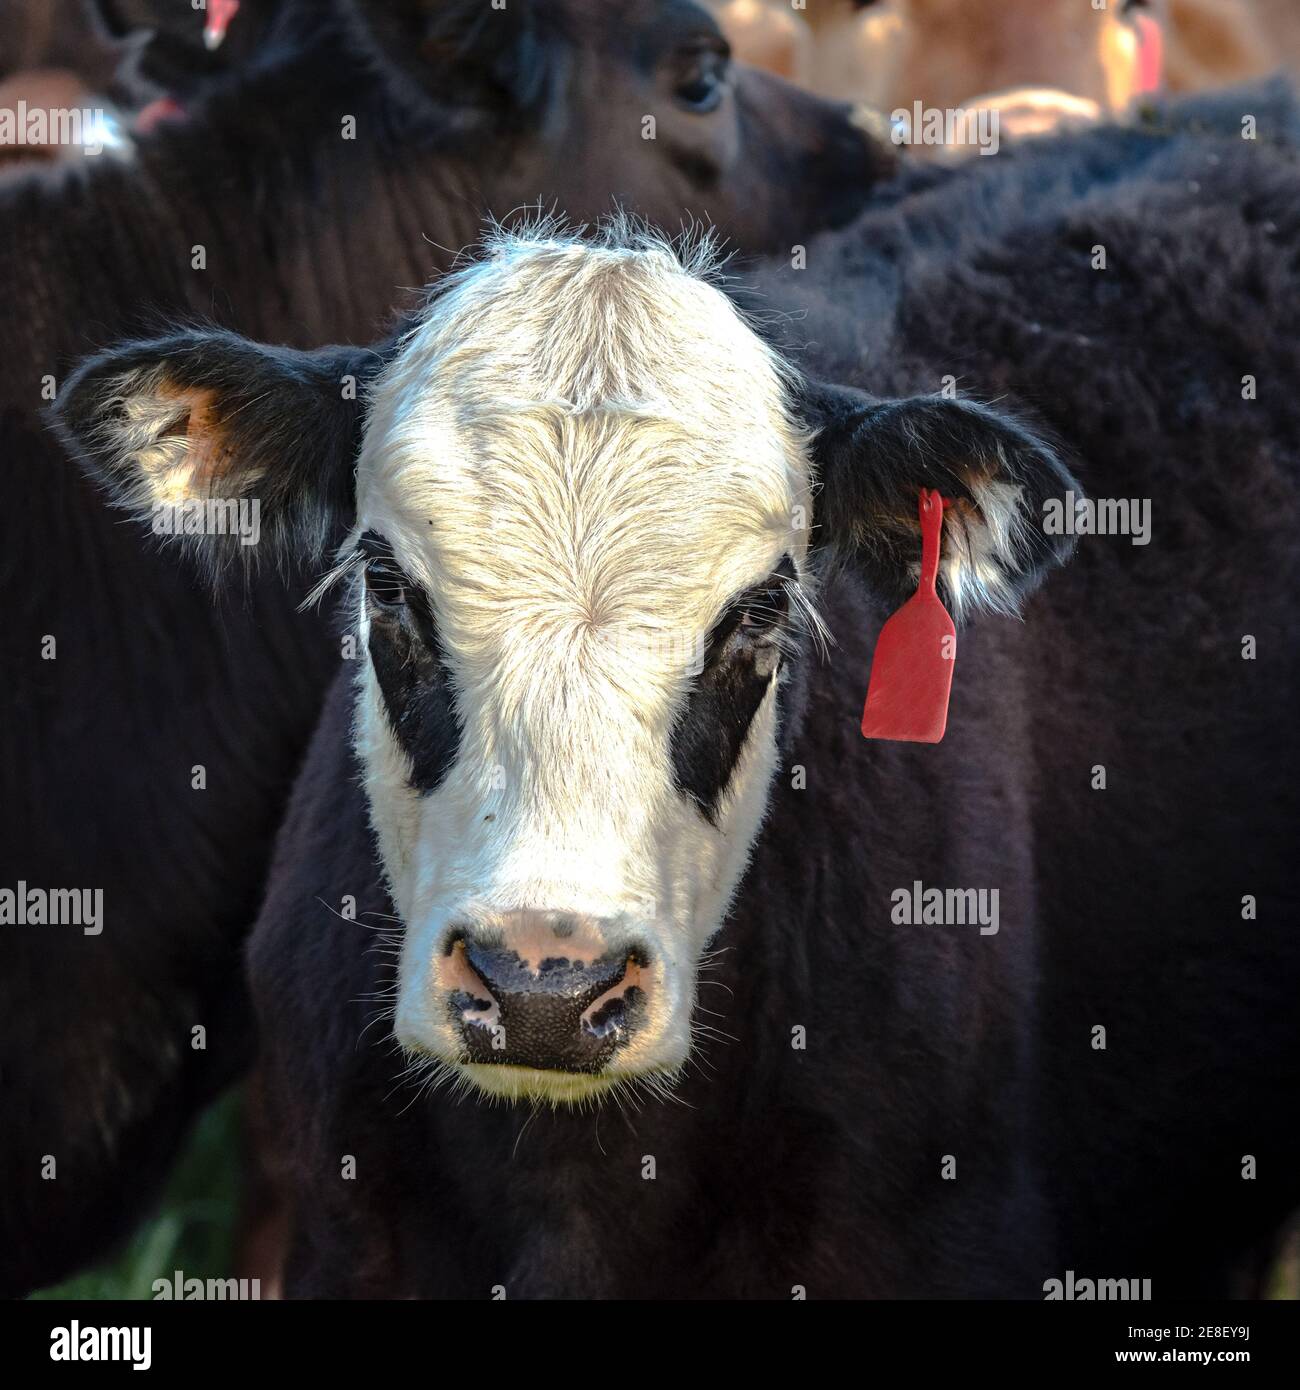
(411,668)
(737,668)
(476,66)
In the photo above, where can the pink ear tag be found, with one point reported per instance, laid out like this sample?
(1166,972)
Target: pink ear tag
(220,13)
(911,670)
(1151,53)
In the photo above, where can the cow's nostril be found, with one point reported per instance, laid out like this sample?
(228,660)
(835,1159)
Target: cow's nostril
(611,1018)
(554,1012)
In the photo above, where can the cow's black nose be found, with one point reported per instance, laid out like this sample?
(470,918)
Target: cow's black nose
(556,1013)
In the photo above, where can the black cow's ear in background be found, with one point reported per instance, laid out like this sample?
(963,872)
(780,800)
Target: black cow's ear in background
(474,65)
(239,448)
(872,458)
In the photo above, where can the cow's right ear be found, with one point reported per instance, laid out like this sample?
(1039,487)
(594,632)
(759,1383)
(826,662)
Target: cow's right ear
(235,446)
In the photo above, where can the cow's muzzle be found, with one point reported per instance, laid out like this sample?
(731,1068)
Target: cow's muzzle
(542,990)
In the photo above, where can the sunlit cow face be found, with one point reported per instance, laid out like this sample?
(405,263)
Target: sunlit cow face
(583,538)
(578,502)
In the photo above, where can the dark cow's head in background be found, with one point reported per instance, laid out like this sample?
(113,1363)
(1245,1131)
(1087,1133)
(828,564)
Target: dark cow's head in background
(637,102)
(588,513)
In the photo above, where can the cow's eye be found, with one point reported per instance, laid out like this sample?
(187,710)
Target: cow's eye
(703,81)
(385,583)
(754,622)
(763,611)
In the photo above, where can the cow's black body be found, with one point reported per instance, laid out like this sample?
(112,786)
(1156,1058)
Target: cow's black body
(1120,908)
(98,746)
(309,237)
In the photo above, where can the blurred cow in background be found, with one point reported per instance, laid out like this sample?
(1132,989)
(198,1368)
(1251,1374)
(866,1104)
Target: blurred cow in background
(1215,42)
(52,55)
(1040,64)
(127,63)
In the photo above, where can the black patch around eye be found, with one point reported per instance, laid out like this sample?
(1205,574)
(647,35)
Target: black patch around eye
(411,668)
(737,671)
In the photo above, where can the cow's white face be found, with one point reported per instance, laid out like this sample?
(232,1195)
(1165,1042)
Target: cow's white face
(563,782)
(582,509)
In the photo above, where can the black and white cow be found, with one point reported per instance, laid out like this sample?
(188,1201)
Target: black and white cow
(584,563)
(579,468)
(148,738)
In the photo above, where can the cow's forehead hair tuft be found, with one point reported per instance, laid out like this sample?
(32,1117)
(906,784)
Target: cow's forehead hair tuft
(584,431)
(619,317)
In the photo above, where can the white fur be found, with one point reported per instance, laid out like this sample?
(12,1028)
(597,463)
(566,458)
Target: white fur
(583,453)
(978,556)
(138,410)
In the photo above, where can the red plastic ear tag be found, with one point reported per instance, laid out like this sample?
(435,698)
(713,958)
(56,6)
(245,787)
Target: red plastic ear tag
(911,671)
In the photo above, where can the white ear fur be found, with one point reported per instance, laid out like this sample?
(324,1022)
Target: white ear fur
(160,441)
(979,554)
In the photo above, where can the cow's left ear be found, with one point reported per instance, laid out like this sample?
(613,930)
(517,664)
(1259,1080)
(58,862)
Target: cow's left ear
(872,458)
